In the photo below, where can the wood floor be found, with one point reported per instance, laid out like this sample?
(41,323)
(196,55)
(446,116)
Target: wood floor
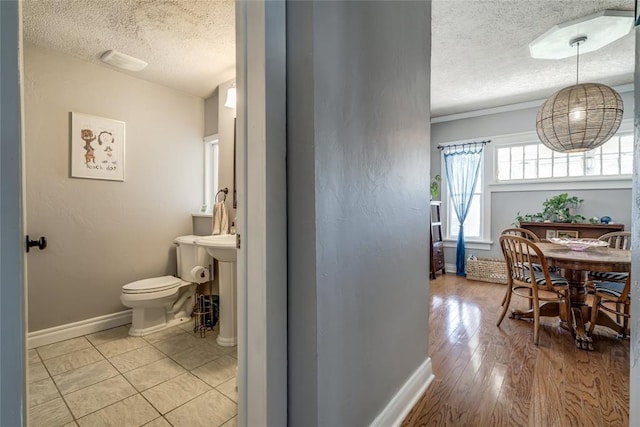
(490,376)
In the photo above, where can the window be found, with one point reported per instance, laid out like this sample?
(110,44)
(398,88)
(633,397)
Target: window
(534,161)
(210,170)
(477,226)
(473,223)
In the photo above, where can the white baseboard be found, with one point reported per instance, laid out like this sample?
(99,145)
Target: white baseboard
(406,398)
(450,268)
(77,329)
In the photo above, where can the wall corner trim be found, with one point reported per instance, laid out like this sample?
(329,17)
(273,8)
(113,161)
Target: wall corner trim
(77,329)
(406,398)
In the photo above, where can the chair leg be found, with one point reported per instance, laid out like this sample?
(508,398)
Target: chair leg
(625,321)
(619,310)
(536,319)
(594,312)
(505,305)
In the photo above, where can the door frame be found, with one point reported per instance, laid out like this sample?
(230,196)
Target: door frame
(262,223)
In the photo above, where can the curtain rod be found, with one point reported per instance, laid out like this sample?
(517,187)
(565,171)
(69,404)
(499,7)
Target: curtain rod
(466,144)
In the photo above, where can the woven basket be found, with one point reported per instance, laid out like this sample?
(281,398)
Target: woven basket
(487,270)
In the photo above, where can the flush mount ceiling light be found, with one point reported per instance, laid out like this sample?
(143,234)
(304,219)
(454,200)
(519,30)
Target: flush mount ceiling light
(123,61)
(602,28)
(583,116)
(230,102)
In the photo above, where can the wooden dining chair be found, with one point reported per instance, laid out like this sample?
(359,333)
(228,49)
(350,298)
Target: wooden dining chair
(616,240)
(530,235)
(538,286)
(521,232)
(613,297)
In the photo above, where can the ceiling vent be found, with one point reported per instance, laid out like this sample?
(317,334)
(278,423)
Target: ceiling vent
(120,60)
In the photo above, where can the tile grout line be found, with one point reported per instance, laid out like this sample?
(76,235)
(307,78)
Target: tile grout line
(120,374)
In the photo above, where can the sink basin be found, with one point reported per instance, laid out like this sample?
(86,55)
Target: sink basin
(221,247)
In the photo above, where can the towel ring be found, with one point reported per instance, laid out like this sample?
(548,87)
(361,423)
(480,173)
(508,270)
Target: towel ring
(224,190)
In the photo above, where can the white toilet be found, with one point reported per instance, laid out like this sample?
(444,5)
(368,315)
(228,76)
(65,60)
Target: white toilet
(165,301)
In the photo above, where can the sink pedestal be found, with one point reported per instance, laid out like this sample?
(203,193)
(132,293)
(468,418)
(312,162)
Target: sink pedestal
(228,335)
(222,247)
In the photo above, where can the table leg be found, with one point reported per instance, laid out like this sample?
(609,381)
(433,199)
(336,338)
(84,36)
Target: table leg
(580,311)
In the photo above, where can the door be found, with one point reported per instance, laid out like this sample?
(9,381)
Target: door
(12,295)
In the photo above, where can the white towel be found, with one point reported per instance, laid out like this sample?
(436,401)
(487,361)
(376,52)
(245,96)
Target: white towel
(220,218)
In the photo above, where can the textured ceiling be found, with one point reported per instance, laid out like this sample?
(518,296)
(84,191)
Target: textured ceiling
(480,54)
(189,44)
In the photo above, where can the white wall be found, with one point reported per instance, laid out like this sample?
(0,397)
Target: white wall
(358,170)
(103,234)
(219,120)
(211,114)
(505,205)
(226,123)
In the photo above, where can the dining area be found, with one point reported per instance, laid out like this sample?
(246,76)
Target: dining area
(582,282)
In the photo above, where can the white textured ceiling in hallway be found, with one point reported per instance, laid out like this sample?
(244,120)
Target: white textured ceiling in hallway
(480,56)
(189,44)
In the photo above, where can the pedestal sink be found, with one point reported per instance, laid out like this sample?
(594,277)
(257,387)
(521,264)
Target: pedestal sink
(223,248)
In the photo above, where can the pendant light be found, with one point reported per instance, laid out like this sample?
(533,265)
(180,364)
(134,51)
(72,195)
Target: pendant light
(580,117)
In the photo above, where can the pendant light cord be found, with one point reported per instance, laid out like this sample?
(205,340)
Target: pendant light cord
(577,61)
(577,42)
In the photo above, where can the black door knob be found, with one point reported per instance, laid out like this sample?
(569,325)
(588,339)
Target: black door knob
(40,243)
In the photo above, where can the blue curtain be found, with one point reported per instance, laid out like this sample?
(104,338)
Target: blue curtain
(462,164)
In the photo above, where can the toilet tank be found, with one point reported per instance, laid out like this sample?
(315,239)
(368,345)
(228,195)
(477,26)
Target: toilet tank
(192,261)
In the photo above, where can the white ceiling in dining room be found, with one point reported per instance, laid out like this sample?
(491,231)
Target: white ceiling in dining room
(480,52)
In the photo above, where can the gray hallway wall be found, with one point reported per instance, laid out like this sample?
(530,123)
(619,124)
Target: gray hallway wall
(634,375)
(358,173)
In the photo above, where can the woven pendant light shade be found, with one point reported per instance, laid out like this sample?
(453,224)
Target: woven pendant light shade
(579,118)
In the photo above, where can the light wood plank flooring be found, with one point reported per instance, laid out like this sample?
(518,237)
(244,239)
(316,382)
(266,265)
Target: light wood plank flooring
(490,376)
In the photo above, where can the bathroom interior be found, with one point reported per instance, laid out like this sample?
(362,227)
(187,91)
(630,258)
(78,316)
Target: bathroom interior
(87,363)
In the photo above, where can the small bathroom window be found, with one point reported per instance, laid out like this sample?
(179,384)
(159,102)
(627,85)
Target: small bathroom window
(210,170)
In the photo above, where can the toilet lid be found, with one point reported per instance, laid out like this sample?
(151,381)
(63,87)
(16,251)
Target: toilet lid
(155,284)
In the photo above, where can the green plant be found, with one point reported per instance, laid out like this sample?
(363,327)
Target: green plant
(559,208)
(555,209)
(435,186)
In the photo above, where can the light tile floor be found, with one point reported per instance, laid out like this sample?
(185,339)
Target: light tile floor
(170,378)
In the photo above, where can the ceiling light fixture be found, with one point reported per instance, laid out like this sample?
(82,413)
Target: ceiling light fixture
(580,117)
(123,61)
(230,102)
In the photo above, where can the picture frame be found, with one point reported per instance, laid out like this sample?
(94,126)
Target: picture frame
(567,234)
(97,147)
(550,234)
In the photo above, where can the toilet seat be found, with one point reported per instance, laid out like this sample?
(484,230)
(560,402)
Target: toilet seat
(154,284)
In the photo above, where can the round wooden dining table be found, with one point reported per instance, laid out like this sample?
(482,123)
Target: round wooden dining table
(575,266)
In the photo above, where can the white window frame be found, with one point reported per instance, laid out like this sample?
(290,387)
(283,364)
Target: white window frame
(592,182)
(484,241)
(211,169)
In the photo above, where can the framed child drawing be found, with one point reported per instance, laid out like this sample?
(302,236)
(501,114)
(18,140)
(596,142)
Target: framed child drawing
(97,147)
